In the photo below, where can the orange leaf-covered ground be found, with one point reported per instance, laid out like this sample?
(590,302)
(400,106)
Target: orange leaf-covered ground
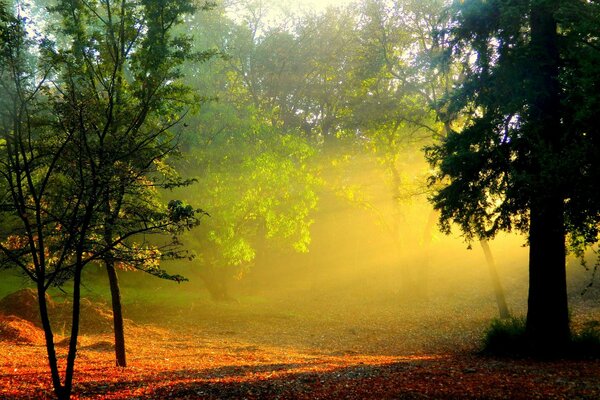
(236,353)
(164,365)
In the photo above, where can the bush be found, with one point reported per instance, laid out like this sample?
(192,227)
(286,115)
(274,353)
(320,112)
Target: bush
(586,343)
(506,337)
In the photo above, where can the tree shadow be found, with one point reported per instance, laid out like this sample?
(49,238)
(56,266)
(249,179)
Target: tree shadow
(418,377)
(267,381)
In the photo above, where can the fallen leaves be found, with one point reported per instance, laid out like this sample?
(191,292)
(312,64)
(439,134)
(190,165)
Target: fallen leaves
(253,353)
(187,366)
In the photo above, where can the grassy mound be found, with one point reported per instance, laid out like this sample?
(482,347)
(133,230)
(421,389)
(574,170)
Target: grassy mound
(586,343)
(505,337)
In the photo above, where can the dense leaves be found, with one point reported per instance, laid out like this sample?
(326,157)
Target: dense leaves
(494,163)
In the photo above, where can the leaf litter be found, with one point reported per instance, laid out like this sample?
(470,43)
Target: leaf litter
(254,353)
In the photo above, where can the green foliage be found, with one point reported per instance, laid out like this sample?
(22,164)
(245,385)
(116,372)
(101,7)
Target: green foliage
(256,145)
(258,183)
(289,95)
(88,104)
(120,65)
(179,211)
(522,154)
(489,168)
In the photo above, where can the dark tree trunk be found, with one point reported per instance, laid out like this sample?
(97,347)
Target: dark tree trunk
(547,313)
(498,290)
(215,279)
(113,278)
(72,354)
(49,336)
(547,327)
(115,293)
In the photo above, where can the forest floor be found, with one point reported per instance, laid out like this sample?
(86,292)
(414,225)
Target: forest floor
(278,351)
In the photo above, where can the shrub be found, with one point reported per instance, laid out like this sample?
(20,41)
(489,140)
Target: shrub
(586,343)
(505,337)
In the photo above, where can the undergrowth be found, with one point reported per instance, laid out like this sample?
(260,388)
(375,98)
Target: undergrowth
(507,337)
(586,343)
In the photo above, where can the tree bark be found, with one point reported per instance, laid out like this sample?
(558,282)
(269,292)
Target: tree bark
(113,278)
(498,290)
(215,280)
(119,331)
(547,327)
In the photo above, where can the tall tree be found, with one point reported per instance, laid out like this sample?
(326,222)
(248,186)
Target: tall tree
(523,158)
(131,111)
(258,180)
(85,132)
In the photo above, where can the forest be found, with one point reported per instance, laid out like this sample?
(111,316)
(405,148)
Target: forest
(260,199)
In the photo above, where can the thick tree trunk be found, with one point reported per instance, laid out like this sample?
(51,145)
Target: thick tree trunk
(115,293)
(215,279)
(547,313)
(498,290)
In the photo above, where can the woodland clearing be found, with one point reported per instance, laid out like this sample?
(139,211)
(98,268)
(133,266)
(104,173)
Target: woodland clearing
(278,351)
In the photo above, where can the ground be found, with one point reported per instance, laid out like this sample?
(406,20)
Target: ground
(271,350)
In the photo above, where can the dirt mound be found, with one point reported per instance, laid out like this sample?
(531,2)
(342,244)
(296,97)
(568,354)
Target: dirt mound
(64,342)
(94,317)
(24,304)
(101,346)
(17,330)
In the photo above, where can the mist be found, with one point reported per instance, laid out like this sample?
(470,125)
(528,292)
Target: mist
(378,277)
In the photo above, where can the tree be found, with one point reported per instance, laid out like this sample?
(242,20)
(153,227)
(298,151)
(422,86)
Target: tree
(392,111)
(259,180)
(259,187)
(522,158)
(85,140)
(130,108)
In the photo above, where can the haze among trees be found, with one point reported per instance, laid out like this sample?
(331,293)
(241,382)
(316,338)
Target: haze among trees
(262,156)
